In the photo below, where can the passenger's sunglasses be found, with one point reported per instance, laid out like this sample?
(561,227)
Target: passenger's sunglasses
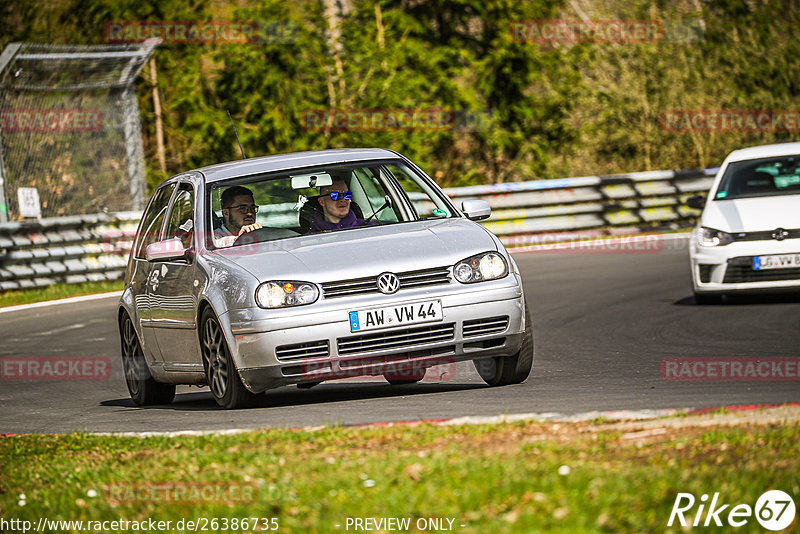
(336,195)
(244,208)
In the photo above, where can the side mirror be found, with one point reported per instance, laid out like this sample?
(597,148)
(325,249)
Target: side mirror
(476,210)
(167,250)
(697,202)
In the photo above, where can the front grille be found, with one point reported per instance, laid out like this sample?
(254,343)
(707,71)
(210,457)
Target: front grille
(396,339)
(765,235)
(357,286)
(482,327)
(740,270)
(299,351)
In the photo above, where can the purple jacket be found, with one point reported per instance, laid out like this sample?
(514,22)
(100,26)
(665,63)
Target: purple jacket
(320,224)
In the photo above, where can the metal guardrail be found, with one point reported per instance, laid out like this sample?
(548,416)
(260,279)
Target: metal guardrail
(95,247)
(589,206)
(71,249)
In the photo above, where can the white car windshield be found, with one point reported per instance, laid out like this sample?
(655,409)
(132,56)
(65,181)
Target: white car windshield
(760,178)
(322,199)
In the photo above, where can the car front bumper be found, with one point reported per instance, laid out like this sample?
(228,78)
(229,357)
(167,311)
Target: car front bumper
(295,346)
(729,268)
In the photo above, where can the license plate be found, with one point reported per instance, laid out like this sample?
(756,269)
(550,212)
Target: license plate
(398,315)
(776,261)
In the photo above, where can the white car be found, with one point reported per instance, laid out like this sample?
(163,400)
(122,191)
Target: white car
(748,236)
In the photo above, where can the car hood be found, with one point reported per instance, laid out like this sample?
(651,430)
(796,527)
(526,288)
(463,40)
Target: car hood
(752,214)
(363,252)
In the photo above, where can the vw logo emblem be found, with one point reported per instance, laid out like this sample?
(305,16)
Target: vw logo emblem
(780,234)
(388,283)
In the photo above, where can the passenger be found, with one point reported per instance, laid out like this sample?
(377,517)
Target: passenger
(336,213)
(238,215)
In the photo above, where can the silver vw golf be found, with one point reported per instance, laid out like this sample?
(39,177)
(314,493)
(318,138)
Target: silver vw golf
(301,268)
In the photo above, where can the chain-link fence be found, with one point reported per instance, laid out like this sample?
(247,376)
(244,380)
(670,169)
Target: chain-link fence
(70,127)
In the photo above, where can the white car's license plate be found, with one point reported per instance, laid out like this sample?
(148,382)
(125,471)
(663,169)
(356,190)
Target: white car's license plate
(776,261)
(398,315)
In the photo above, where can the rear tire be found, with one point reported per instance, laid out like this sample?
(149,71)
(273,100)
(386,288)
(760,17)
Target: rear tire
(143,389)
(221,373)
(507,370)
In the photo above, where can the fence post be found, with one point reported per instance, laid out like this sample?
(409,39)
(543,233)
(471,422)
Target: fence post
(5,58)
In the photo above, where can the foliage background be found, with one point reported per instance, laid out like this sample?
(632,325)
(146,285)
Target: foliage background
(556,109)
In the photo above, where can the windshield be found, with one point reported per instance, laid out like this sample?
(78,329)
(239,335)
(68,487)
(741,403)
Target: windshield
(322,199)
(760,178)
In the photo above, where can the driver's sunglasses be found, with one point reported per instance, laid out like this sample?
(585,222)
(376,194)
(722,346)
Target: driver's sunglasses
(336,195)
(244,208)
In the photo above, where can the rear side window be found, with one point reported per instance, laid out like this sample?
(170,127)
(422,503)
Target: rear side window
(152,219)
(181,220)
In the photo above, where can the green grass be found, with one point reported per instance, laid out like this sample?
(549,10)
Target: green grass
(56,291)
(502,478)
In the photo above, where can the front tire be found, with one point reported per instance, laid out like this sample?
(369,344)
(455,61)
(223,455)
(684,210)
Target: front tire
(221,373)
(506,370)
(143,389)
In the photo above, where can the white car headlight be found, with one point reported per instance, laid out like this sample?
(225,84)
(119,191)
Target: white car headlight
(708,237)
(282,294)
(480,268)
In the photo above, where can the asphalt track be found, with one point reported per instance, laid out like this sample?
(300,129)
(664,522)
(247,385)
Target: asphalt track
(603,322)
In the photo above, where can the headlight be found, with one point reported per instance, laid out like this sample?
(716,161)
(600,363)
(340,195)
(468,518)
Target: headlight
(282,293)
(481,267)
(708,237)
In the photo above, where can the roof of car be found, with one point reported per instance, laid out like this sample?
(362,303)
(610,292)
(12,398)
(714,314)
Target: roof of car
(765,151)
(244,167)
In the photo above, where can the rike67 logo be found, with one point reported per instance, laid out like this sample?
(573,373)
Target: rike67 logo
(774,510)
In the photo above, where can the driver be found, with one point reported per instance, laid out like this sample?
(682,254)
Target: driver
(238,214)
(336,213)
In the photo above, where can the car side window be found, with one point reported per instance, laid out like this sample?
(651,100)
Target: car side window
(153,218)
(181,219)
(425,201)
(370,194)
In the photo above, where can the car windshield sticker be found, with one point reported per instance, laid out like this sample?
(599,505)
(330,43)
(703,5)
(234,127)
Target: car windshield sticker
(722,194)
(301,201)
(440,212)
(187,226)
